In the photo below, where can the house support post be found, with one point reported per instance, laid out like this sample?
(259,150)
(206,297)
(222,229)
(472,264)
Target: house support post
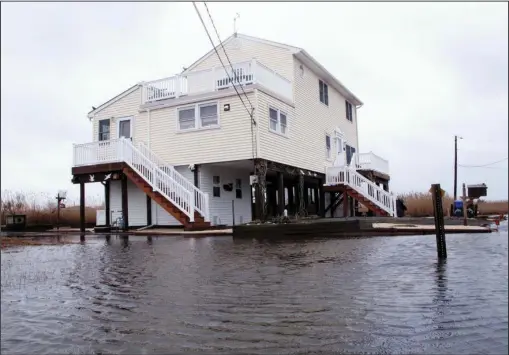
(321,199)
(346,199)
(82,207)
(302,204)
(125,207)
(149,211)
(280,194)
(261,173)
(290,199)
(107,186)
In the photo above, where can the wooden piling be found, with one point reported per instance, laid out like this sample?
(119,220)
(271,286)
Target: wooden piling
(438,212)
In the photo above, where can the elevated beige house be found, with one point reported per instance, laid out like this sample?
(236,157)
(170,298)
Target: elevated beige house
(206,147)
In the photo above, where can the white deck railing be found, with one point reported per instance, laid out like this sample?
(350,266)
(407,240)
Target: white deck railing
(371,161)
(346,175)
(217,78)
(201,201)
(162,177)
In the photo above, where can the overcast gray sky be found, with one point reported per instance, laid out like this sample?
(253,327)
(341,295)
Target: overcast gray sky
(425,71)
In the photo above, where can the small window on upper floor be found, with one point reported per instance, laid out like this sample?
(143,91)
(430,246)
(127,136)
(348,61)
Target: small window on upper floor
(328,146)
(324,92)
(104,130)
(278,121)
(349,111)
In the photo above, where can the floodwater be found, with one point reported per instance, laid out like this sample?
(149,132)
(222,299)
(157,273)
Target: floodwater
(385,295)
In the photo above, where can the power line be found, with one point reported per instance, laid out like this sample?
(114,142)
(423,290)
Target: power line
(484,165)
(224,67)
(224,50)
(253,122)
(250,113)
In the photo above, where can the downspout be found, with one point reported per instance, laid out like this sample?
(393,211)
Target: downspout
(357,127)
(257,125)
(148,135)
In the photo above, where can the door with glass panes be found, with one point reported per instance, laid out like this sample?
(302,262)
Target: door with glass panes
(125,127)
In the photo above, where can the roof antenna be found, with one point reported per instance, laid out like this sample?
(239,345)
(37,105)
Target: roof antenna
(237,15)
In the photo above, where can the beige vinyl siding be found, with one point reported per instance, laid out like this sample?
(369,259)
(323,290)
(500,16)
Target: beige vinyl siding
(313,120)
(273,146)
(126,106)
(136,203)
(221,207)
(241,49)
(232,141)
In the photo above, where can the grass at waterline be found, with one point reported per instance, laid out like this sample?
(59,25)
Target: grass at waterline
(420,204)
(41,209)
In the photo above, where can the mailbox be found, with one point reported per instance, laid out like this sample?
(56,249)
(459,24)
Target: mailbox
(477,191)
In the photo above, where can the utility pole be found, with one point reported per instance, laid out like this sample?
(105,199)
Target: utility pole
(456,166)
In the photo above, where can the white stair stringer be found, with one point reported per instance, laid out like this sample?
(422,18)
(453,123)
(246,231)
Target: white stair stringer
(348,176)
(201,198)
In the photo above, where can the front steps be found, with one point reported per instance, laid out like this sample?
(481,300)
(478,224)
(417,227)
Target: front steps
(199,222)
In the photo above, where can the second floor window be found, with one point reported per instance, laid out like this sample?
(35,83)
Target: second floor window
(328,146)
(104,130)
(278,121)
(208,115)
(324,92)
(349,111)
(198,116)
(187,119)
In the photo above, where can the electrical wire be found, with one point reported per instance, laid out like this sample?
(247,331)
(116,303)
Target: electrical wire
(250,113)
(224,50)
(222,64)
(484,165)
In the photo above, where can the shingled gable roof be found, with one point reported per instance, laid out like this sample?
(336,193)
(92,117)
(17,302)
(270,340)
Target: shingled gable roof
(301,55)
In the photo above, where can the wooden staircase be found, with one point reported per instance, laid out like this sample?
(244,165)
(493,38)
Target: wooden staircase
(366,202)
(199,222)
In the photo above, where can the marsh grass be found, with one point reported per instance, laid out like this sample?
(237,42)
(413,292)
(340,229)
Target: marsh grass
(420,204)
(41,209)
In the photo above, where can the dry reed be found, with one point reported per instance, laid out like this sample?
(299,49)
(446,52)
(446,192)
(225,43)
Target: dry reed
(41,209)
(420,204)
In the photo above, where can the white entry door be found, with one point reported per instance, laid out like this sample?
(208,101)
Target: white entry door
(125,127)
(340,152)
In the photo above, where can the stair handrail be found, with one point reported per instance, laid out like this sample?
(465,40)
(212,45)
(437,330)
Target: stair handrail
(159,180)
(349,176)
(201,198)
(373,192)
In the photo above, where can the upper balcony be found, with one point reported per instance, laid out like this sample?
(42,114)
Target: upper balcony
(215,79)
(371,161)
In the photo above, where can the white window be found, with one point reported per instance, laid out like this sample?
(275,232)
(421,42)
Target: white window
(187,119)
(324,92)
(328,146)
(349,111)
(198,116)
(278,121)
(208,115)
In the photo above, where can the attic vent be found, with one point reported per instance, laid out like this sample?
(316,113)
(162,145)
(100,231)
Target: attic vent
(236,43)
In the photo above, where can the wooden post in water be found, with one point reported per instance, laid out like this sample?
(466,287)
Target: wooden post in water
(464,205)
(438,212)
